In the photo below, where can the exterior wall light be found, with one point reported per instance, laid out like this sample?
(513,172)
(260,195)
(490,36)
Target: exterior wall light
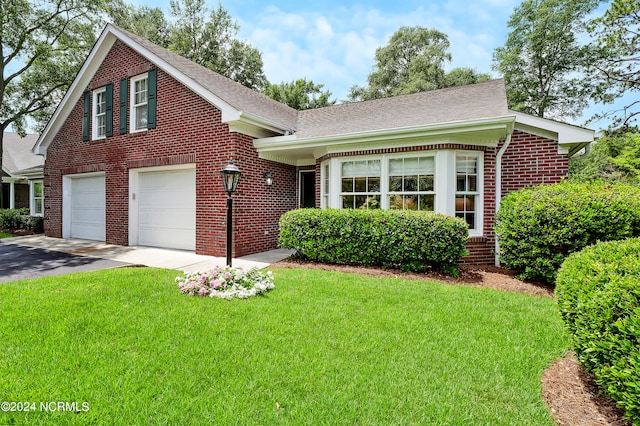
(268,178)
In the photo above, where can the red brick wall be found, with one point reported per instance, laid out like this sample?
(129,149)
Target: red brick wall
(189,130)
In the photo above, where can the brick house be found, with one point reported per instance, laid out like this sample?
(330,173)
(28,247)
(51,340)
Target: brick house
(135,148)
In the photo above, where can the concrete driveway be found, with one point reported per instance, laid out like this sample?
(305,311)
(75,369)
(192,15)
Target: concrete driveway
(37,255)
(20,262)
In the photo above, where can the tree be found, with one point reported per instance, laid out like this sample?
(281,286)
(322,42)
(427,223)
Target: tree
(212,42)
(542,57)
(614,158)
(43,46)
(615,58)
(413,61)
(300,94)
(149,23)
(462,76)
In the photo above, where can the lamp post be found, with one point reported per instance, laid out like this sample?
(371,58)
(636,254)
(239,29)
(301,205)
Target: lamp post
(230,177)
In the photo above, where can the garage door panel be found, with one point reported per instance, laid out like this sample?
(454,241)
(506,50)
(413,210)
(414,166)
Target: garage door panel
(88,208)
(166,209)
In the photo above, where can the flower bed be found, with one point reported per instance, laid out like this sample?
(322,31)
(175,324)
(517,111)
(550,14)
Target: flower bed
(226,283)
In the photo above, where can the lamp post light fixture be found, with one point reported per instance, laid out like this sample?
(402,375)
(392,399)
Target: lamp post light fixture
(230,176)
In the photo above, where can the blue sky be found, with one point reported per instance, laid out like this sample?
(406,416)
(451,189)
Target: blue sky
(333,42)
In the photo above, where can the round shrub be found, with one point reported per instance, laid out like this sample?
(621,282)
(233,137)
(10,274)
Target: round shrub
(390,238)
(598,291)
(539,227)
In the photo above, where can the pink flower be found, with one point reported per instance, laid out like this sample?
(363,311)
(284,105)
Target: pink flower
(227,275)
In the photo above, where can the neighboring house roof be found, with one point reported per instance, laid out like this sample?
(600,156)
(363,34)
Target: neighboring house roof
(17,158)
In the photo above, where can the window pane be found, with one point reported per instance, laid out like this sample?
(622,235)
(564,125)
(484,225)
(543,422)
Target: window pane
(461,184)
(426,203)
(360,201)
(347,169)
(372,202)
(395,183)
(373,168)
(37,189)
(374,184)
(411,202)
(426,183)
(140,91)
(466,165)
(38,206)
(141,117)
(347,184)
(347,201)
(411,183)
(411,166)
(395,166)
(360,168)
(465,203)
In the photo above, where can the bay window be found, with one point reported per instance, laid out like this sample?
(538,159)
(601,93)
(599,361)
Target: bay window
(444,181)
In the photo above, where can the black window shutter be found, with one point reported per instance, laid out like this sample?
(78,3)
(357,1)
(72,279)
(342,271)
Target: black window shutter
(124,98)
(109,109)
(152,81)
(86,116)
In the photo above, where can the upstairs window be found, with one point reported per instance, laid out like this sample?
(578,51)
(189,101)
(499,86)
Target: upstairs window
(99,113)
(139,98)
(142,102)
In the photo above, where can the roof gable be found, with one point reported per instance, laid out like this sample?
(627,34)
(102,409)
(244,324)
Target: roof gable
(244,109)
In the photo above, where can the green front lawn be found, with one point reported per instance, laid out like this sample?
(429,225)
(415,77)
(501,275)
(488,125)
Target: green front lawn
(322,348)
(5,235)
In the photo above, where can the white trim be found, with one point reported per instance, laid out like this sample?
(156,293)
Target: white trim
(32,198)
(94,112)
(134,182)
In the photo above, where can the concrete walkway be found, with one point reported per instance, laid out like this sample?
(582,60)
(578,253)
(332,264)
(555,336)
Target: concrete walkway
(149,256)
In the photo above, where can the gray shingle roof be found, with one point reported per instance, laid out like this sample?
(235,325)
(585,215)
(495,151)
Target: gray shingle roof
(233,93)
(16,152)
(461,103)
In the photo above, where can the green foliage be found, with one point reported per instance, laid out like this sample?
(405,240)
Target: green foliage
(539,227)
(389,238)
(613,59)
(300,94)
(598,293)
(614,158)
(413,61)
(19,219)
(462,76)
(211,41)
(542,55)
(147,22)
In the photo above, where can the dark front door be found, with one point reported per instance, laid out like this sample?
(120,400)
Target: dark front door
(308,189)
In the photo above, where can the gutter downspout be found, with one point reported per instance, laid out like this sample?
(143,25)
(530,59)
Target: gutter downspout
(501,152)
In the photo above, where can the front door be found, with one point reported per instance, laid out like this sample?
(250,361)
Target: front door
(307,189)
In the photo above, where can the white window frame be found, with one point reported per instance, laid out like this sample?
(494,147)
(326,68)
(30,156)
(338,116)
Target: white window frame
(477,194)
(33,204)
(368,193)
(133,106)
(96,116)
(444,181)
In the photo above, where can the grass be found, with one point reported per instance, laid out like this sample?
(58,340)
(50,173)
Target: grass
(322,348)
(6,235)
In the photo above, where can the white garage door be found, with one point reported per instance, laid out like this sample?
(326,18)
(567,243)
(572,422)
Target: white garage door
(88,208)
(167,209)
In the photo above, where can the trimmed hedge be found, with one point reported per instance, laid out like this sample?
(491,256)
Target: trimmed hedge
(20,219)
(598,292)
(539,227)
(389,238)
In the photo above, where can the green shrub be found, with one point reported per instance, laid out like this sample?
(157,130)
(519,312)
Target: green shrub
(539,227)
(598,292)
(20,219)
(388,238)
